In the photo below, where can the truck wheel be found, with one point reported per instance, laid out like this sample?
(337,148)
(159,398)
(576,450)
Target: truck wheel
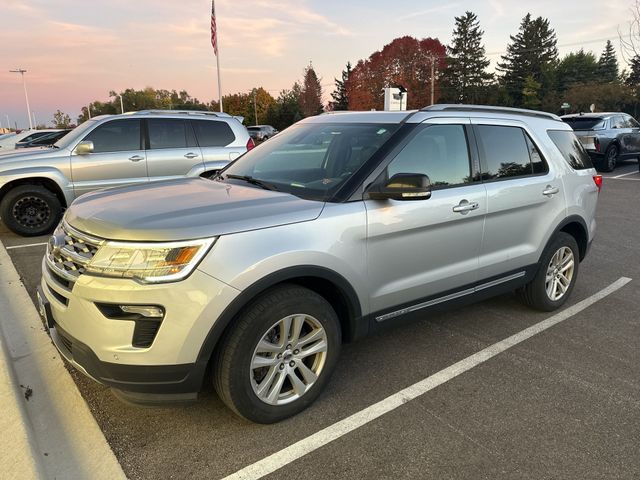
(279,355)
(556,275)
(30,210)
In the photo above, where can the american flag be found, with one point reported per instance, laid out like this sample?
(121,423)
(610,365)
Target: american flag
(214,33)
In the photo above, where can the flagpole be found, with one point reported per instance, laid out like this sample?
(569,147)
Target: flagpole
(214,42)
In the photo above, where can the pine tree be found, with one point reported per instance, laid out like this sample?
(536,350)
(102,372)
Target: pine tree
(633,79)
(311,95)
(466,69)
(340,95)
(608,64)
(531,52)
(576,67)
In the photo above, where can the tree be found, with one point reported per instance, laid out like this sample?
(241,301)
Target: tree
(532,52)
(466,67)
(311,94)
(608,64)
(576,67)
(530,93)
(61,120)
(605,96)
(405,61)
(286,108)
(340,95)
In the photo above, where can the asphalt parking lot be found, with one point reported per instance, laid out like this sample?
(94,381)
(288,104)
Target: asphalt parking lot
(562,404)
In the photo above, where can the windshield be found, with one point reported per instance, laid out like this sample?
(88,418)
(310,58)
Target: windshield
(586,123)
(311,160)
(75,135)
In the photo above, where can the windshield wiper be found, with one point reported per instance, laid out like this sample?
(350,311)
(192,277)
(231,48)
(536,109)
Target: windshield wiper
(53,146)
(253,181)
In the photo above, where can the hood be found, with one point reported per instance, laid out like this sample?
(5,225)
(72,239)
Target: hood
(185,209)
(23,153)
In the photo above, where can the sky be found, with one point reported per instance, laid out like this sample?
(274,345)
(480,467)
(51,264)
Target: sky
(76,51)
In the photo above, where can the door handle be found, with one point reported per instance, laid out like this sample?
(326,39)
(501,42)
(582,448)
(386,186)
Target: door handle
(136,158)
(190,155)
(465,207)
(549,191)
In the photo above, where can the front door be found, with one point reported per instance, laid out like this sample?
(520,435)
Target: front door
(423,248)
(117,159)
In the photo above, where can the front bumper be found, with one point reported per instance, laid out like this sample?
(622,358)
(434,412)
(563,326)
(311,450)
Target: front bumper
(102,347)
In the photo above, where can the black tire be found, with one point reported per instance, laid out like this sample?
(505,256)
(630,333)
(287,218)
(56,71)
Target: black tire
(30,210)
(534,294)
(233,377)
(610,159)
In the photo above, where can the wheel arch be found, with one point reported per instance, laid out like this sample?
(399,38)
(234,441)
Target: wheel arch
(45,182)
(577,228)
(327,283)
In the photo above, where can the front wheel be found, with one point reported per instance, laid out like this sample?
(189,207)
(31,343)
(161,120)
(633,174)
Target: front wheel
(30,210)
(556,275)
(279,356)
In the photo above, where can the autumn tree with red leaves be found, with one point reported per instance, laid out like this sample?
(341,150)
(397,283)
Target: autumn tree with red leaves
(405,61)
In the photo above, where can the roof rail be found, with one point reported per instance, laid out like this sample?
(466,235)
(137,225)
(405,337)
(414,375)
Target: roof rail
(489,109)
(180,112)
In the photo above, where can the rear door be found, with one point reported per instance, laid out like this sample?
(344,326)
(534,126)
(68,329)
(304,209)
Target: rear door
(117,159)
(172,151)
(215,138)
(632,136)
(525,198)
(419,249)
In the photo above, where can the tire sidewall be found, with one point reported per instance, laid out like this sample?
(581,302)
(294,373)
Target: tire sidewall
(241,392)
(610,159)
(13,196)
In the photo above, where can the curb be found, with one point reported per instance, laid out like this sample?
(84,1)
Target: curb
(52,434)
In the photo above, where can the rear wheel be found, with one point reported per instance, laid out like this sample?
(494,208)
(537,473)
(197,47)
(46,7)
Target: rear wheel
(30,210)
(610,159)
(279,356)
(556,275)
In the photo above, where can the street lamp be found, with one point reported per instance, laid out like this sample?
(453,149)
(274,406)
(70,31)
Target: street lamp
(26,97)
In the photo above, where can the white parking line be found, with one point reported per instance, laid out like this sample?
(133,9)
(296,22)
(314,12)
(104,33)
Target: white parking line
(624,174)
(313,442)
(25,246)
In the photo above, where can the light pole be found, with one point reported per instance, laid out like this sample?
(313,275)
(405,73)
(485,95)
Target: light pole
(8,122)
(26,97)
(121,105)
(35,122)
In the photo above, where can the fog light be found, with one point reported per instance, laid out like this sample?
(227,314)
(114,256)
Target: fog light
(148,311)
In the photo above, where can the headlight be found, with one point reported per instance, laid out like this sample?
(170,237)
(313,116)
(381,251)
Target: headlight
(149,262)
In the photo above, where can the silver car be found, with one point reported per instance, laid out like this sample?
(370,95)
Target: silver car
(37,184)
(336,228)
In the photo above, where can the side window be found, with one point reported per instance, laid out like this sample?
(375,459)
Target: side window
(168,133)
(212,133)
(438,151)
(618,122)
(507,152)
(632,123)
(571,149)
(116,136)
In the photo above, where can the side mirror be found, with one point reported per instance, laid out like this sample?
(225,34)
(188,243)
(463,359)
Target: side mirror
(402,186)
(85,147)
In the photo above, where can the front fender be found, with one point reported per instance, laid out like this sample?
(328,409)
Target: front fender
(47,173)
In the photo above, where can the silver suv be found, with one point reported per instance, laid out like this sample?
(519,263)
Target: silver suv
(112,150)
(343,224)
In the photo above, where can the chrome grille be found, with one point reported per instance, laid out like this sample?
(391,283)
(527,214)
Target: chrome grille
(69,252)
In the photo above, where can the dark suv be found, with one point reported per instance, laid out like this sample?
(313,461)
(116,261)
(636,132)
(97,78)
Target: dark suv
(608,137)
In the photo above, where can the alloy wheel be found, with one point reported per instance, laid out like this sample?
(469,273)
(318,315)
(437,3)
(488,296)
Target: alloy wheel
(31,211)
(288,359)
(559,273)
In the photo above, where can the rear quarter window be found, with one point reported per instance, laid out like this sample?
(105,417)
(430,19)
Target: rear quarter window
(571,148)
(212,133)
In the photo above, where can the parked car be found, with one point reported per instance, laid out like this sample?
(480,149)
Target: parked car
(336,228)
(43,140)
(607,137)
(9,143)
(261,132)
(113,150)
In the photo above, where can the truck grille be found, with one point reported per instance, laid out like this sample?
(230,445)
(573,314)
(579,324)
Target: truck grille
(69,252)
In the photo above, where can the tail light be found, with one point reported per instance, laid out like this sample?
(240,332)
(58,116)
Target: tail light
(596,143)
(597,179)
(250,144)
